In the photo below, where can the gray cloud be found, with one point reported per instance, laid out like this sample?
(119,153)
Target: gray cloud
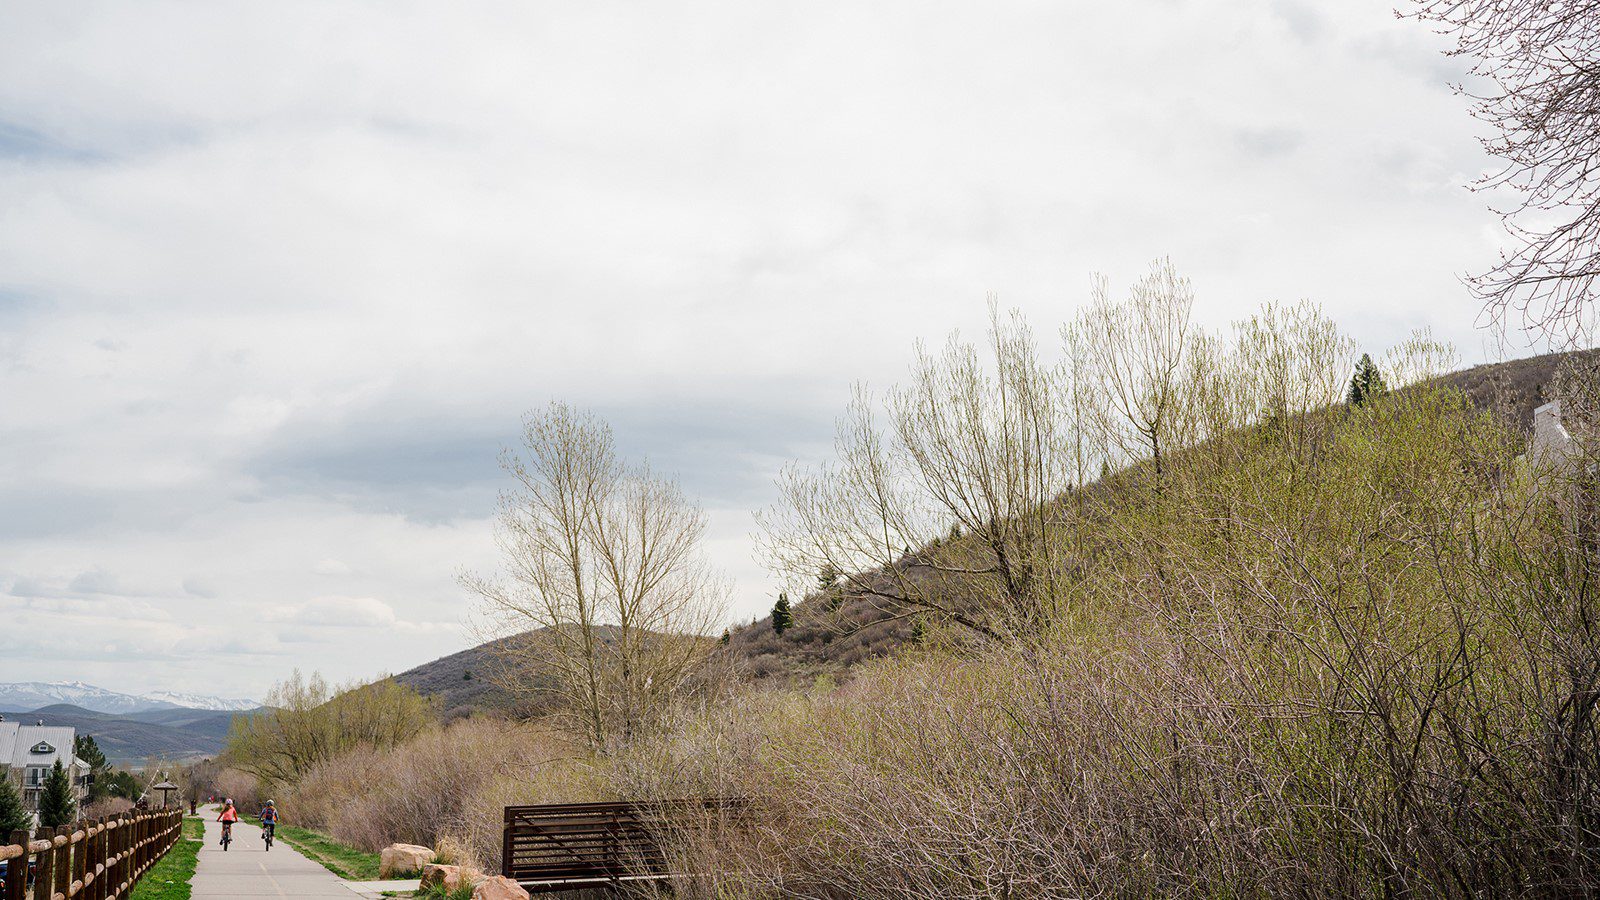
(270,309)
(1269,142)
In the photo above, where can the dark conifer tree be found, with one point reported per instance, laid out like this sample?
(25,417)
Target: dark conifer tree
(13,817)
(87,749)
(782,618)
(57,805)
(1367,383)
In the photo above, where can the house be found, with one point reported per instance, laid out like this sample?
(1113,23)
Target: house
(1550,447)
(29,752)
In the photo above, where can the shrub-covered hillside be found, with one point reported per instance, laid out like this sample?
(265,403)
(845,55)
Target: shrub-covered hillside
(827,641)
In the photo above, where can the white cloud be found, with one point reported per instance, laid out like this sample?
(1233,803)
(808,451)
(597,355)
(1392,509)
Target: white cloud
(277,280)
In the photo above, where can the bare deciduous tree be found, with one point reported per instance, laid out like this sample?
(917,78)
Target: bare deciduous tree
(1139,350)
(606,597)
(1539,63)
(982,444)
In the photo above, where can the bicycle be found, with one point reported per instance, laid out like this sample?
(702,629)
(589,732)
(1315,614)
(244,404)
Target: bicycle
(227,835)
(267,828)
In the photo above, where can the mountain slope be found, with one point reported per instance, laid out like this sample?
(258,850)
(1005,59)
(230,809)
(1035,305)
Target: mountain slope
(459,682)
(36,694)
(27,695)
(189,734)
(817,645)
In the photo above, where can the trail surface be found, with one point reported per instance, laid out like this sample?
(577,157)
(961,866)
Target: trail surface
(247,869)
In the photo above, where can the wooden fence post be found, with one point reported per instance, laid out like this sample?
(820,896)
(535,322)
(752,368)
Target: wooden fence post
(80,854)
(118,835)
(63,861)
(97,859)
(16,887)
(41,869)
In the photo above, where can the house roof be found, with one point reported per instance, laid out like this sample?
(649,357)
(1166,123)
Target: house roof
(18,743)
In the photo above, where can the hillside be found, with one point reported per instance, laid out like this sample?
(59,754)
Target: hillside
(175,733)
(817,645)
(458,682)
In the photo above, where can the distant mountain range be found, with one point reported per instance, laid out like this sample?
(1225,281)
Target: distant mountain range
(170,733)
(32,695)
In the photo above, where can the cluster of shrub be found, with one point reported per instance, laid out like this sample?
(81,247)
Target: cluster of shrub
(1197,616)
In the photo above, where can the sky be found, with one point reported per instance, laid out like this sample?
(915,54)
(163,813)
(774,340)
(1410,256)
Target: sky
(278,280)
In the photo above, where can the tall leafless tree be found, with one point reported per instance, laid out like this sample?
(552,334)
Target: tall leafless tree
(1537,65)
(607,601)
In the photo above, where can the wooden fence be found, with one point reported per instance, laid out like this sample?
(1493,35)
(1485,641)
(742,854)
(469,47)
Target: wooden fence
(569,846)
(99,859)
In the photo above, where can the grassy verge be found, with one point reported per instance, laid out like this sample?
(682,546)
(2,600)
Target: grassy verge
(341,859)
(169,878)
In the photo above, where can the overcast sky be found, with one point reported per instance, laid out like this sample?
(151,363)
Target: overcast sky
(277,280)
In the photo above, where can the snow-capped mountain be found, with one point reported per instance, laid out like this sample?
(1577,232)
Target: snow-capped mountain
(200,701)
(30,695)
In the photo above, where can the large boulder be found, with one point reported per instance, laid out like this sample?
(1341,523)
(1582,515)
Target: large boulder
(450,878)
(499,888)
(403,859)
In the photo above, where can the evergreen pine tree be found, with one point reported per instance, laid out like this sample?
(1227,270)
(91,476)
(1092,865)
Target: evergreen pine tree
(57,806)
(726,637)
(1367,384)
(782,618)
(13,817)
(827,577)
(87,749)
(919,631)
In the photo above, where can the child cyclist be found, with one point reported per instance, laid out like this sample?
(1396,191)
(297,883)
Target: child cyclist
(269,819)
(227,817)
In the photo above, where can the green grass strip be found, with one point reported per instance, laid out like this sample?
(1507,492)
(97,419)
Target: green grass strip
(342,860)
(169,878)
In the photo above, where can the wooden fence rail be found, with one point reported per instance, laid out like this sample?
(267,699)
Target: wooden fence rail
(98,859)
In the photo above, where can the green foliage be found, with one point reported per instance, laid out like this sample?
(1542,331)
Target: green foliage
(13,816)
(343,860)
(827,578)
(88,750)
(782,617)
(438,892)
(57,804)
(1367,384)
(1324,659)
(727,637)
(119,783)
(169,878)
(307,721)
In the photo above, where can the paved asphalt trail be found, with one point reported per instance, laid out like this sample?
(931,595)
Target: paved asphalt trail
(247,869)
